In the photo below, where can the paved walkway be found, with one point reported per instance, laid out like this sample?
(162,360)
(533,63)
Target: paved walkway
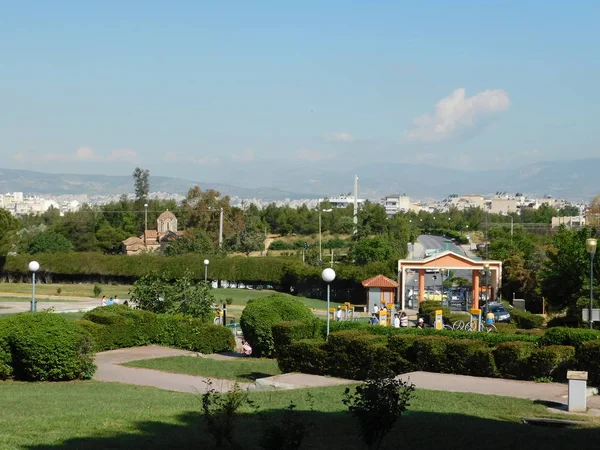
(549,392)
(109,369)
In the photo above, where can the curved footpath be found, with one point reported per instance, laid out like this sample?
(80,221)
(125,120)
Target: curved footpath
(109,369)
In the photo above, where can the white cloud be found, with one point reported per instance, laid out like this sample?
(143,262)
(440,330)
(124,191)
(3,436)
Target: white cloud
(340,137)
(528,153)
(123,155)
(457,114)
(86,154)
(246,155)
(170,156)
(311,155)
(20,157)
(420,157)
(464,159)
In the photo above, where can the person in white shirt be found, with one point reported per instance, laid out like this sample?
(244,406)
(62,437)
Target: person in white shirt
(375,309)
(403,320)
(396,321)
(338,314)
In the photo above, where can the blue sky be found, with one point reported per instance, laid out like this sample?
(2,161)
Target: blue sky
(205,90)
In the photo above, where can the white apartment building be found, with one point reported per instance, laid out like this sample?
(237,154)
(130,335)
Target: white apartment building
(569,222)
(396,203)
(342,201)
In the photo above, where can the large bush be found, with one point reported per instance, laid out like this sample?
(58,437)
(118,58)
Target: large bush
(575,337)
(46,347)
(525,320)
(261,314)
(118,326)
(429,353)
(6,370)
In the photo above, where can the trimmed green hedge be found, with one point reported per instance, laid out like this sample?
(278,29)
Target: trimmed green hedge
(588,357)
(285,333)
(551,361)
(262,313)
(468,357)
(357,355)
(306,356)
(118,326)
(575,337)
(511,359)
(45,347)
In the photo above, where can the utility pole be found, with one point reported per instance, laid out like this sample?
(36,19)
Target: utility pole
(320,240)
(355,216)
(145,221)
(221,228)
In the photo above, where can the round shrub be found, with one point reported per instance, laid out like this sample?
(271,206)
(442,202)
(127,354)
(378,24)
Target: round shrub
(48,347)
(260,315)
(5,359)
(552,361)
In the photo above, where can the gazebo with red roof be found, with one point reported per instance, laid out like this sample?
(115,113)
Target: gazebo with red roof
(380,289)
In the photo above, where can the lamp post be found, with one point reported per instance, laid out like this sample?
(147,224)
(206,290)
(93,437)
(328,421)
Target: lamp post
(206,263)
(590,247)
(486,267)
(145,221)
(34,266)
(328,276)
(321,234)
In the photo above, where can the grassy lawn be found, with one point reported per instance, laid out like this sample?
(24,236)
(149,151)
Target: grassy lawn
(94,415)
(239,296)
(239,369)
(37,299)
(67,290)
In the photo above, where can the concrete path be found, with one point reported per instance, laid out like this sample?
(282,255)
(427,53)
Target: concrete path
(109,369)
(549,392)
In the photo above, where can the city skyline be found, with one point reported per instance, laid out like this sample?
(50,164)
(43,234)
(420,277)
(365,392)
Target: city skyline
(225,93)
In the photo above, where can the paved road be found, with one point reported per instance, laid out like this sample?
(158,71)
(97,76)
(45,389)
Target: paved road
(59,304)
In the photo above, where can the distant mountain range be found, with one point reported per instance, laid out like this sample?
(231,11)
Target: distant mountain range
(61,184)
(573,180)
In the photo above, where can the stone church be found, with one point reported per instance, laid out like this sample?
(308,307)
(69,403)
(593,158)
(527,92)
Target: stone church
(153,240)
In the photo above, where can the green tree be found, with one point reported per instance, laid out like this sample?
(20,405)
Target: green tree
(49,242)
(194,299)
(193,240)
(153,292)
(110,239)
(141,183)
(372,249)
(569,211)
(566,269)
(8,228)
(80,228)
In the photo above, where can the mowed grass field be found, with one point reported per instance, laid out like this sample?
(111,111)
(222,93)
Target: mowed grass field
(95,415)
(239,297)
(238,369)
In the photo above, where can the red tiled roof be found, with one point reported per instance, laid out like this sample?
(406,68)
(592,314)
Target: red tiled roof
(151,234)
(380,281)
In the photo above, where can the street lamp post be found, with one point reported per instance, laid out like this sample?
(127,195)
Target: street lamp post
(206,263)
(34,266)
(590,246)
(321,234)
(486,268)
(328,276)
(145,221)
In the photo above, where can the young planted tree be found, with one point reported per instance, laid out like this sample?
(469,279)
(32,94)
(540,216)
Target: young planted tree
(377,405)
